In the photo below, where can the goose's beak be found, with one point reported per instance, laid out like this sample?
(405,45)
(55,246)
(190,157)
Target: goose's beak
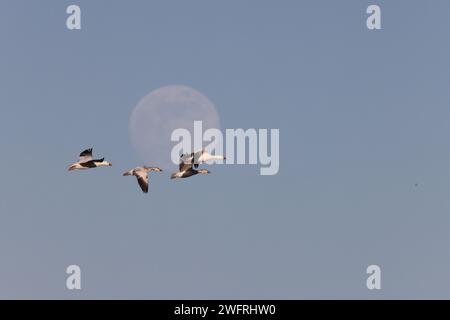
(72,167)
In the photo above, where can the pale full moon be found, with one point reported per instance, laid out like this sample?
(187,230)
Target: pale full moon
(162,111)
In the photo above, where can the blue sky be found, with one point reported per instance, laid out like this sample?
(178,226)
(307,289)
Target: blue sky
(363,116)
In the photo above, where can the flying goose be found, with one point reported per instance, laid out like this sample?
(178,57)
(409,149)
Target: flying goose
(86,162)
(185,168)
(200,157)
(203,156)
(141,173)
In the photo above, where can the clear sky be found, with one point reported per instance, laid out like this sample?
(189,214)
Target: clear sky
(363,115)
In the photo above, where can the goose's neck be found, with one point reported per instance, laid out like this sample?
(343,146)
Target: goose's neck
(103,164)
(209,157)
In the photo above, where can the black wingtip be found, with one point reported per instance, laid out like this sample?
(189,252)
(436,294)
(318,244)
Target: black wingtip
(86,152)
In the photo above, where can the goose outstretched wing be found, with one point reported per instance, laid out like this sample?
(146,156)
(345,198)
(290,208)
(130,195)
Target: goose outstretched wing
(186,162)
(85,156)
(142,178)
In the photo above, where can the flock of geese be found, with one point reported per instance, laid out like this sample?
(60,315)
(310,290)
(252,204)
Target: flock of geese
(187,167)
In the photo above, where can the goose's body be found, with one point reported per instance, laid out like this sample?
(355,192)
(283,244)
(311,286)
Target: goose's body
(203,156)
(86,162)
(141,173)
(185,168)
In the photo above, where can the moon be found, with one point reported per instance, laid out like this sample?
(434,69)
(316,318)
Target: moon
(162,111)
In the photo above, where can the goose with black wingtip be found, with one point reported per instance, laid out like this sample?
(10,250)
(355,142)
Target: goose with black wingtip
(87,162)
(203,156)
(186,169)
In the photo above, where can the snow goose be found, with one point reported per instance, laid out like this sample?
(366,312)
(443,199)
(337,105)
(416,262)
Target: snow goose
(185,168)
(203,156)
(86,162)
(141,173)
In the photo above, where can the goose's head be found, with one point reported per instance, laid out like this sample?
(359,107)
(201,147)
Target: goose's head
(104,164)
